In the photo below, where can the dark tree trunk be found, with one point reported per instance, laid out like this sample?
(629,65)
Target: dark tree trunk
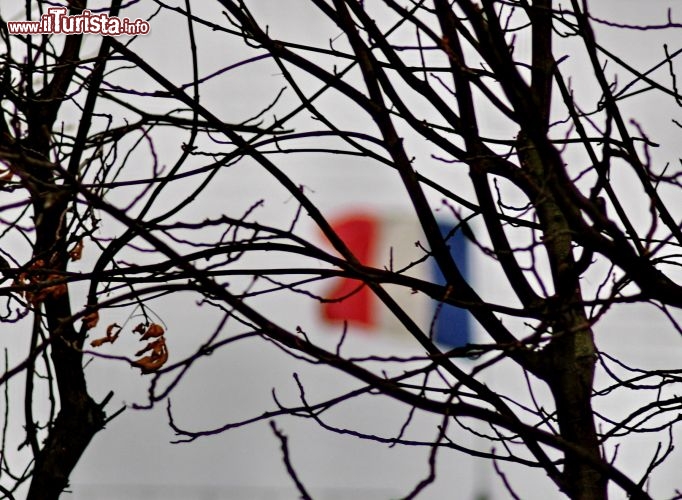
(68,438)
(572,356)
(79,417)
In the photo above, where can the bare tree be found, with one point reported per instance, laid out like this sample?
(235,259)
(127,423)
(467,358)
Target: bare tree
(489,90)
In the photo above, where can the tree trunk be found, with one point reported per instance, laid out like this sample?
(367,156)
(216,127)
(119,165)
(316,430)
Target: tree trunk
(79,418)
(68,438)
(571,354)
(569,359)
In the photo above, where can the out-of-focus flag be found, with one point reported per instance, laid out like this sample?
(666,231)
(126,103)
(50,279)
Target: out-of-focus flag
(387,241)
(360,233)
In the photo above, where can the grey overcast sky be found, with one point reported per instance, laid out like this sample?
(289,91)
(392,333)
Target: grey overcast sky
(133,458)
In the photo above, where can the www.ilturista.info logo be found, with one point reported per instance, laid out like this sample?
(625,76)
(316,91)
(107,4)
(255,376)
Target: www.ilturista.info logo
(56,21)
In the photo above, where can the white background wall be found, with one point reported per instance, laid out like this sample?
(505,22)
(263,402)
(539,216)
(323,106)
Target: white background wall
(133,459)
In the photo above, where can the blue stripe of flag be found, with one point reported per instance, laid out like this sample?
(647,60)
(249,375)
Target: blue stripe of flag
(453,324)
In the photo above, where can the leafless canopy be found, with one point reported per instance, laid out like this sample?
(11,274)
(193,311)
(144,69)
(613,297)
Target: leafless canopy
(511,117)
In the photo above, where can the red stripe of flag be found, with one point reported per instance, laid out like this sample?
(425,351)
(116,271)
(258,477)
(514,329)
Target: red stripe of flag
(351,299)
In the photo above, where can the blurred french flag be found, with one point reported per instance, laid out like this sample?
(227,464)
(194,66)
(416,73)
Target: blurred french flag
(385,240)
